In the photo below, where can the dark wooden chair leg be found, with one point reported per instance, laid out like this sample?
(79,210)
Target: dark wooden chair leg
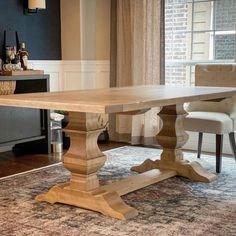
(199,148)
(232,143)
(219,144)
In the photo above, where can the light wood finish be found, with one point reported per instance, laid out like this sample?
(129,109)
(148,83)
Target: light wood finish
(115,100)
(142,180)
(22,72)
(137,112)
(84,159)
(107,203)
(106,199)
(172,137)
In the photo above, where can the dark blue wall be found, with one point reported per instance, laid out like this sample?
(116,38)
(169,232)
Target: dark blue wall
(41,32)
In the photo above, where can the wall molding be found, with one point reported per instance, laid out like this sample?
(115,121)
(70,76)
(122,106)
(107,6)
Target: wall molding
(76,74)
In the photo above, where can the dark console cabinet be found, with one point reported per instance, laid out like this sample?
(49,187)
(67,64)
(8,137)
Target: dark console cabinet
(26,129)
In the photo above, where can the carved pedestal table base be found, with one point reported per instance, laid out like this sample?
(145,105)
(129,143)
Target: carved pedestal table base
(172,137)
(84,160)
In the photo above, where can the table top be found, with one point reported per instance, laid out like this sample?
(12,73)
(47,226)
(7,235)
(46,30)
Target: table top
(114,100)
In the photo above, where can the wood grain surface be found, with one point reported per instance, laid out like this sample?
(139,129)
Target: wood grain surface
(115,100)
(84,159)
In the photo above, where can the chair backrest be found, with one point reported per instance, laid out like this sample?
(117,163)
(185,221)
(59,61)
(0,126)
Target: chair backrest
(218,75)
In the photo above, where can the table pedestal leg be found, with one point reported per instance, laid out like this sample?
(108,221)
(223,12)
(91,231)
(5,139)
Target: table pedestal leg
(83,160)
(172,137)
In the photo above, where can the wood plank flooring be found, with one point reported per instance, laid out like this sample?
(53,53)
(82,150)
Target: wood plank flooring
(12,163)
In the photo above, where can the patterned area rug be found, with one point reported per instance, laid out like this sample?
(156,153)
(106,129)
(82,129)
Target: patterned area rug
(173,207)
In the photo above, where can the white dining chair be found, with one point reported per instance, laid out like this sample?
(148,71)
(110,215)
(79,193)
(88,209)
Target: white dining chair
(217,116)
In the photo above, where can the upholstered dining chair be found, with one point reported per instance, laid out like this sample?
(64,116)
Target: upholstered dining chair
(217,116)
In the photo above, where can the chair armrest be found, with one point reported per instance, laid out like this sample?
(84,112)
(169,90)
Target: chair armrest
(227,106)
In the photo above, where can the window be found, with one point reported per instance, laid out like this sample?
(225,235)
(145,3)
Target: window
(198,31)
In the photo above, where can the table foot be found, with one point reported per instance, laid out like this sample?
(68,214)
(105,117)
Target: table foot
(107,203)
(172,137)
(190,170)
(145,166)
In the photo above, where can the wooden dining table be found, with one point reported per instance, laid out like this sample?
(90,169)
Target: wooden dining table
(84,158)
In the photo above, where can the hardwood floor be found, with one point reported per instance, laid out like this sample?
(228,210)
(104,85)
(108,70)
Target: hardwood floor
(12,163)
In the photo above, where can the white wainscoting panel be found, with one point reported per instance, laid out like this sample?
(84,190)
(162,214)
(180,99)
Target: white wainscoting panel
(72,80)
(54,69)
(75,75)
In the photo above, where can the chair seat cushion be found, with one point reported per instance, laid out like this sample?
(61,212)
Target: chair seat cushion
(208,122)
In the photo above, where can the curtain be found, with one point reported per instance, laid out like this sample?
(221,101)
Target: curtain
(139,60)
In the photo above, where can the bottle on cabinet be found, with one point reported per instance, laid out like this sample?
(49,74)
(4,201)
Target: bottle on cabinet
(23,55)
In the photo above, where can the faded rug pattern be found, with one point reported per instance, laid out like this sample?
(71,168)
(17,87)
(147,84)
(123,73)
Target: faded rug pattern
(172,207)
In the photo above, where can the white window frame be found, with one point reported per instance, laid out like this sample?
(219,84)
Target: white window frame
(212,32)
